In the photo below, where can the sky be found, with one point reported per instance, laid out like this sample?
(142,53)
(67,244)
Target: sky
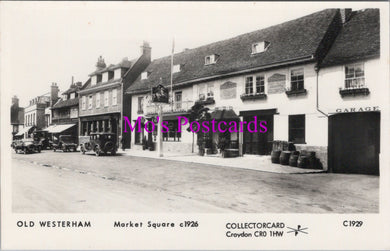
(45,42)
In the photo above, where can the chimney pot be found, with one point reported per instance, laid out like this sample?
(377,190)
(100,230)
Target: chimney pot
(345,15)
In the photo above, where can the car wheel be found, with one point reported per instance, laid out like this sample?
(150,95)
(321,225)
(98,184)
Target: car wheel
(39,149)
(54,149)
(16,150)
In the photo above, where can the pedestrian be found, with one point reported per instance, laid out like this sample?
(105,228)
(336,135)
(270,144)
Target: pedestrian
(123,143)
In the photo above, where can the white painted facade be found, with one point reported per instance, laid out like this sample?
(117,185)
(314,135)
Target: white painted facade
(316,123)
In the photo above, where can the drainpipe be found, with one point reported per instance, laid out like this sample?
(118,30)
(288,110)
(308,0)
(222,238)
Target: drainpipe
(317,69)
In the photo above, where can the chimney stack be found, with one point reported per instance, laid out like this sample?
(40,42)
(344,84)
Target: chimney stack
(100,63)
(15,101)
(53,93)
(345,15)
(146,50)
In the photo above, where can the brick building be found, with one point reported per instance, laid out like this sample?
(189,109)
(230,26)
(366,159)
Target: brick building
(37,115)
(65,112)
(102,102)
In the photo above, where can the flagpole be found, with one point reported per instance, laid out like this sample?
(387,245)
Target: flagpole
(173,49)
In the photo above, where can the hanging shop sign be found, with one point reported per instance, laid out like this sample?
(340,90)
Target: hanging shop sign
(160,94)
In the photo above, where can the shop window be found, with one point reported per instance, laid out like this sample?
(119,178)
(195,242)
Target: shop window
(172,134)
(296,128)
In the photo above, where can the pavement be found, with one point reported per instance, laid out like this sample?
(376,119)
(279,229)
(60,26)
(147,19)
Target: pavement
(251,162)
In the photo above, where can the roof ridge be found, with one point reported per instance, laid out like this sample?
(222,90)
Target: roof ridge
(244,34)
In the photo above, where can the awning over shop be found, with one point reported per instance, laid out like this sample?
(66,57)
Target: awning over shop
(24,130)
(224,114)
(59,128)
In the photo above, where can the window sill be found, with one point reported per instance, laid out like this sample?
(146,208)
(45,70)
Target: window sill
(253,96)
(296,92)
(354,92)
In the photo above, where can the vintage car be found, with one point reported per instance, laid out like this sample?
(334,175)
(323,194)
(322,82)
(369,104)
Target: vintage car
(27,146)
(99,143)
(66,143)
(43,138)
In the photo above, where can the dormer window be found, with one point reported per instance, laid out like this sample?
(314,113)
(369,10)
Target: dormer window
(144,75)
(176,68)
(64,96)
(110,75)
(72,95)
(260,47)
(210,59)
(98,78)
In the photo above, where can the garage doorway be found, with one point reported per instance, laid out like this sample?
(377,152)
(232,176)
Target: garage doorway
(354,140)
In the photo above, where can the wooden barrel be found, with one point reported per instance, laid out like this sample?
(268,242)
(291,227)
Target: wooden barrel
(284,157)
(293,161)
(303,162)
(275,156)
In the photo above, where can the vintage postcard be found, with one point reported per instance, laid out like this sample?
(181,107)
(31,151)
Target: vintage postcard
(195,125)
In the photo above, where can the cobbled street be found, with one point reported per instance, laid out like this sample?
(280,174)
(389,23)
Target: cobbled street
(57,182)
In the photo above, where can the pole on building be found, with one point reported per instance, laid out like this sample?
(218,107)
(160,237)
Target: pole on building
(159,133)
(173,50)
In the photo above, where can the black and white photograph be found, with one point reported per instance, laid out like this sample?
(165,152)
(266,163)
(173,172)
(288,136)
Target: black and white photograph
(261,125)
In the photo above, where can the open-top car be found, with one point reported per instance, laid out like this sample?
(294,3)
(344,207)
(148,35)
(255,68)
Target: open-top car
(66,143)
(27,146)
(100,143)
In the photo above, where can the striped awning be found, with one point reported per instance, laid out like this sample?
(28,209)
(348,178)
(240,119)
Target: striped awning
(58,128)
(23,131)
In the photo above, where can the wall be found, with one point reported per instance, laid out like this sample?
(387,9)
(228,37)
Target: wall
(102,109)
(332,78)
(316,123)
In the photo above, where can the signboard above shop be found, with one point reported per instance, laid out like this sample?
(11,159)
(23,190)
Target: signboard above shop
(358,109)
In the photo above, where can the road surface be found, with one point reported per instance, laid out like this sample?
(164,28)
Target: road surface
(56,182)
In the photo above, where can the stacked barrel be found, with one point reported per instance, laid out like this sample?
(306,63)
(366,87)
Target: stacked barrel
(284,153)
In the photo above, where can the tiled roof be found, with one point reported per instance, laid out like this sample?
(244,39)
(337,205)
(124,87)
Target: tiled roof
(296,39)
(73,88)
(125,63)
(359,39)
(66,103)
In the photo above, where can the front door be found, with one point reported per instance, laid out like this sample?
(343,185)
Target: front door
(354,140)
(256,142)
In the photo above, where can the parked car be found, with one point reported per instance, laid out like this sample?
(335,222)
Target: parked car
(27,146)
(43,138)
(66,143)
(99,143)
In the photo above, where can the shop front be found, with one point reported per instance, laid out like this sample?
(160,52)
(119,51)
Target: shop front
(256,142)
(100,123)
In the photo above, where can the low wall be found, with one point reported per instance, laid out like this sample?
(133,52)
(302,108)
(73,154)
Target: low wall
(321,153)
